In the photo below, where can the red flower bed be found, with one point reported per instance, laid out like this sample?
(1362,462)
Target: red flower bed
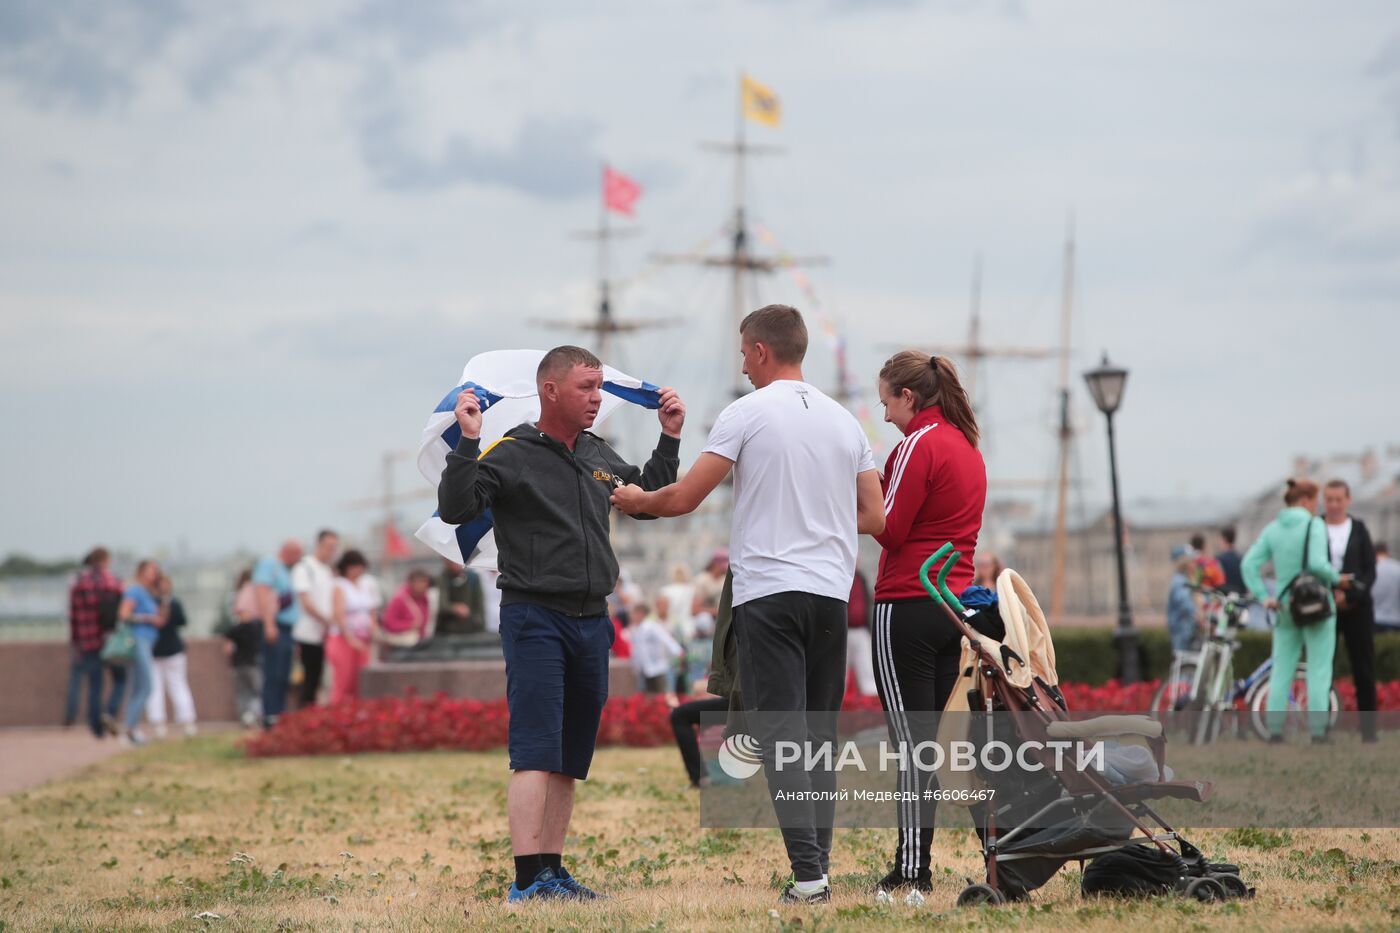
(412,723)
(387,724)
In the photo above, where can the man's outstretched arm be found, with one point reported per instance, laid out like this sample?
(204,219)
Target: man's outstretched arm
(679,498)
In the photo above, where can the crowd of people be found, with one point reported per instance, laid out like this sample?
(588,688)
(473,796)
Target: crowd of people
(667,636)
(790,620)
(289,618)
(1360,580)
(326,611)
(131,633)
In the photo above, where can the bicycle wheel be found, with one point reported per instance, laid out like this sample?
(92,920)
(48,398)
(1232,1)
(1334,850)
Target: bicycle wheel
(1174,693)
(1205,705)
(1295,717)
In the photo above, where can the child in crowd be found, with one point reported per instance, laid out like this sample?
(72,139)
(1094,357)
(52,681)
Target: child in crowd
(243,648)
(653,650)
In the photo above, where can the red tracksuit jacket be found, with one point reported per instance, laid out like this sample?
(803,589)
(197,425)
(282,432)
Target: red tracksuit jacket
(935,486)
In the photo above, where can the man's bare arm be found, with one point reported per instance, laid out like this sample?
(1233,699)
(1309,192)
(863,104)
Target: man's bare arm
(870,503)
(679,498)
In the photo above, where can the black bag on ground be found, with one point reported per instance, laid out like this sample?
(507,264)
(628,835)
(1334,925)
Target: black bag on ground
(1312,601)
(1133,871)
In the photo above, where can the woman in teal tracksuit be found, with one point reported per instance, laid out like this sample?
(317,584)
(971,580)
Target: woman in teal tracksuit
(1282,542)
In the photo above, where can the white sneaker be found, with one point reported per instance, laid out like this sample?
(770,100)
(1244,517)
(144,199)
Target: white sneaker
(159,730)
(133,737)
(191,730)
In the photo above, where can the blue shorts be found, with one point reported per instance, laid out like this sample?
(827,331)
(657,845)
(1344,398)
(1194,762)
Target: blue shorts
(556,685)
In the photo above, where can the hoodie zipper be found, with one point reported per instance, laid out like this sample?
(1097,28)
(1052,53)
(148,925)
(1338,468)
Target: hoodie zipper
(572,457)
(587,553)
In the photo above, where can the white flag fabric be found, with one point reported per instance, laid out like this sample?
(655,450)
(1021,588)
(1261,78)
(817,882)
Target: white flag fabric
(504,383)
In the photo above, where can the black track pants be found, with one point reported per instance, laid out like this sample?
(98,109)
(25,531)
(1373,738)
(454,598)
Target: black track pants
(916,650)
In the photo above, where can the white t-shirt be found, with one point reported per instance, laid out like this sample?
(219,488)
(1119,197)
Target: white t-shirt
(1337,538)
(315,579)
(361,600)
(796,454)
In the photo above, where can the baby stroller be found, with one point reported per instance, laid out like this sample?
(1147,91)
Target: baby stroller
(1029,829)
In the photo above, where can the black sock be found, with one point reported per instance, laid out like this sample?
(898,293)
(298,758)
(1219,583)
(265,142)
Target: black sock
(526,868)
(552,860)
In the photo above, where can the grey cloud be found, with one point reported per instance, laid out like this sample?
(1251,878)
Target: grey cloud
(357,338)
(549,158)
(232,51)
(84,53)
(1387,60)
(427,26)
(1014,9)
(90,54)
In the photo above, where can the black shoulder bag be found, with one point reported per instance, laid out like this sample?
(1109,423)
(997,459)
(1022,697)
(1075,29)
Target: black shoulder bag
(1312,601)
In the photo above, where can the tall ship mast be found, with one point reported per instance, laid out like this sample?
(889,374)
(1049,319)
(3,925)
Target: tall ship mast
(756,103)
(619,196)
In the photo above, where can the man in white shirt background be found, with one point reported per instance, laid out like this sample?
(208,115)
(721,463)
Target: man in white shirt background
(313,581)
(805,486)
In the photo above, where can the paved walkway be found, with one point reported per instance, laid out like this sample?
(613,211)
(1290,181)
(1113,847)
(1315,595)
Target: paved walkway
(30,757)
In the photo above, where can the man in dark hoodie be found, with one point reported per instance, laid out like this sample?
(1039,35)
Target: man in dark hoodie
(548,486)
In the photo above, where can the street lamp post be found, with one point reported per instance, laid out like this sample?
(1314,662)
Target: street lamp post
(1106,386)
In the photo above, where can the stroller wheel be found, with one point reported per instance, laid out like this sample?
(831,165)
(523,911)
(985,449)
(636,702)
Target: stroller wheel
(975,895)
(1233,884)
(1205,890)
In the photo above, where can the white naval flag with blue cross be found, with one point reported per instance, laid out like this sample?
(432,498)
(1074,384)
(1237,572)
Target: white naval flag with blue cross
(504,383)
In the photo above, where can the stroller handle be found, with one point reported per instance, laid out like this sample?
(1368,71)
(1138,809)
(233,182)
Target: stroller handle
(923,571)
(948,596)
(940,592)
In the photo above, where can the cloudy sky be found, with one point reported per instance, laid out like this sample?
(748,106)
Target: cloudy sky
(245,247)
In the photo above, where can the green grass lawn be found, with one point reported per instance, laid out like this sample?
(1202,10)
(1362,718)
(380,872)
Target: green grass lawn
(158,837)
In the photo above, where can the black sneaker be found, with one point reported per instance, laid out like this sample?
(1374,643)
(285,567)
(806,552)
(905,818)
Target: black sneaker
(791,895)
(895,881)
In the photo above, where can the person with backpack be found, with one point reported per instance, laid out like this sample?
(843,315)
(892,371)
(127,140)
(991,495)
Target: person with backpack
(93,601)
(1296,542)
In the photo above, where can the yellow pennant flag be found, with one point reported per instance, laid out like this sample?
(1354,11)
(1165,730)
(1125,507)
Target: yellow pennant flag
(760,103)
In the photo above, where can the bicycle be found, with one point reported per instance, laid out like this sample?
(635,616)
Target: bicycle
(1203,683)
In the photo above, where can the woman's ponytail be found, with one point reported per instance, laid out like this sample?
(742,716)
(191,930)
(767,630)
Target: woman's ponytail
(933,380)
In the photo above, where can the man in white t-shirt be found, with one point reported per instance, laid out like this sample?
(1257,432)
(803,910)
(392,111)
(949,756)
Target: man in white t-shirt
(313,581)
(805,486)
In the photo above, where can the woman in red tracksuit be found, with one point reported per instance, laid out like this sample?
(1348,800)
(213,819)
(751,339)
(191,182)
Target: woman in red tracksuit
(935,486)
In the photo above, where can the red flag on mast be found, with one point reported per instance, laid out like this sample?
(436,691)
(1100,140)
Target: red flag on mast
(620,193)
(395,546)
